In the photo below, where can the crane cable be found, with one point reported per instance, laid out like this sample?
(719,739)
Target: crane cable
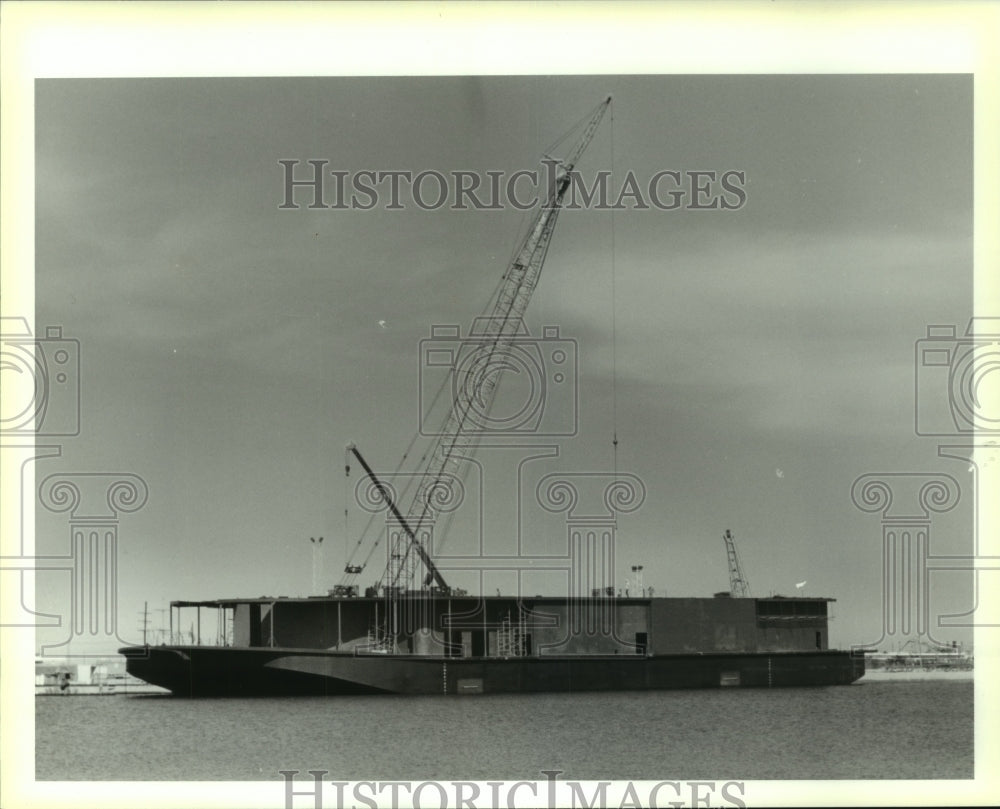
(614,333)
(572,129)
(348,554)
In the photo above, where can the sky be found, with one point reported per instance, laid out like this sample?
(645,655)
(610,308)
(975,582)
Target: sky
(752,363)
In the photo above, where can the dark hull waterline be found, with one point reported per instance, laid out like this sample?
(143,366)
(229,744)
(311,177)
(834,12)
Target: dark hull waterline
(229,671)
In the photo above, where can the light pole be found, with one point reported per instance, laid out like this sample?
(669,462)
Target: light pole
(637,576)
(316,563)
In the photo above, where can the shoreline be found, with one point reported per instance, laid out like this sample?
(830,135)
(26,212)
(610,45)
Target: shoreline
(884,675)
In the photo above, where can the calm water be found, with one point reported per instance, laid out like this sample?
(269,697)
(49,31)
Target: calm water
(868,730)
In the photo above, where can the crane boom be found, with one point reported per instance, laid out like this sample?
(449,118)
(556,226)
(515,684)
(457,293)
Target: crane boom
(475,396)
(433,573)
(739,587)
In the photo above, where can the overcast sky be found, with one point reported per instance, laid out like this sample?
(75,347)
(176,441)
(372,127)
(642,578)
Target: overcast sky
(764,356)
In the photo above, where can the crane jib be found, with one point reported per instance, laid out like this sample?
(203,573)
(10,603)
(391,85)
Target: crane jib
(433,572)
(456,439)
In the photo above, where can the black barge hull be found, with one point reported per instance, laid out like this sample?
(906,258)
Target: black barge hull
(232,671)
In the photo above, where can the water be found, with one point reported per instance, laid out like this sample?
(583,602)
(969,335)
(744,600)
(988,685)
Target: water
(905,730)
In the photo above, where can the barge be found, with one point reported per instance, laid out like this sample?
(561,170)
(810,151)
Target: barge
(453,645)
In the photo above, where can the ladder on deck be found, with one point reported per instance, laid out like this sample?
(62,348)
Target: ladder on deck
(510,637)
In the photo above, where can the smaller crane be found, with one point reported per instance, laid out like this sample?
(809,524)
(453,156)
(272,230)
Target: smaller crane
(433,574)
(739,587)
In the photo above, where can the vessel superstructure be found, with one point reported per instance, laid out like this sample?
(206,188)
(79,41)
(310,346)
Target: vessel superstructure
(493,644)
